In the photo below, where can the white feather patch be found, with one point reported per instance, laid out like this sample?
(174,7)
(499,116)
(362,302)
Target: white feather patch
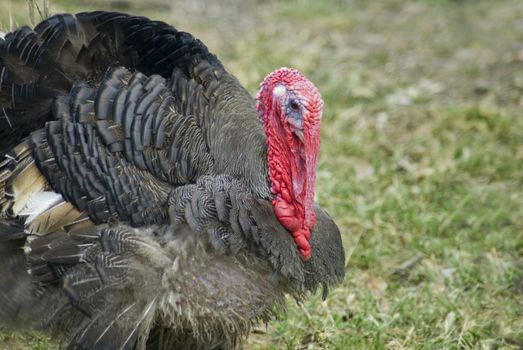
(2,35)
(279,90)
(39,203)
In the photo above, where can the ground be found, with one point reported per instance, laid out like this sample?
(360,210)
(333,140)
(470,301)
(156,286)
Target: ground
(421,161)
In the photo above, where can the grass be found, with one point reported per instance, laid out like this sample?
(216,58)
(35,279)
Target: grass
(421,164)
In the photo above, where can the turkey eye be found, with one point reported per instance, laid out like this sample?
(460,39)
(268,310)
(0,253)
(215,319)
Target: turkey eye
(295,106)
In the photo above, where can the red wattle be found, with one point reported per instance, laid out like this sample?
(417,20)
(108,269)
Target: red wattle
(307,234)
(285,214)
(305,254)
(286,195)
(303,244)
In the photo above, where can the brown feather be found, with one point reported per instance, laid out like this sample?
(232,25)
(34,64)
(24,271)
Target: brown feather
(54,219)
(19,179)
(79,224)
(24,183)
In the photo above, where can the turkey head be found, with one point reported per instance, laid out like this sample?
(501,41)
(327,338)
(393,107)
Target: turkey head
(290,108)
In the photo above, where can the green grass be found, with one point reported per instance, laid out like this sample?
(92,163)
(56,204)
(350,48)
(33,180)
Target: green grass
(421,163)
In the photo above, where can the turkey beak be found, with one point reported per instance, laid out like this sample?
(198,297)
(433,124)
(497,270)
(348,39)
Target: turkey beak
(299,134)
(296,124)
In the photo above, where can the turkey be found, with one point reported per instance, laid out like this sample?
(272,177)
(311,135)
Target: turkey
(147,201)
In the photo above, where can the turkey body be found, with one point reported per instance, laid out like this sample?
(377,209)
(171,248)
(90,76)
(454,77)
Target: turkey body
(135,202)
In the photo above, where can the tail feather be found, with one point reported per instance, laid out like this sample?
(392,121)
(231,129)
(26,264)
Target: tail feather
(25,93)
(37,65)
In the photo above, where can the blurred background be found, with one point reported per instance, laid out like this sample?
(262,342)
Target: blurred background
(421,163)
